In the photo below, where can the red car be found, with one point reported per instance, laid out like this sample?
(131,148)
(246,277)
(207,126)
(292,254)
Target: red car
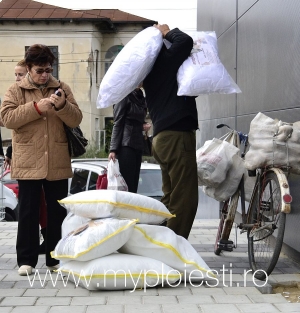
(10,183)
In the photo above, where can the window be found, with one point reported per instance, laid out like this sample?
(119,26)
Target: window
(79,180)
(93,181)
(54,50)
(111,54)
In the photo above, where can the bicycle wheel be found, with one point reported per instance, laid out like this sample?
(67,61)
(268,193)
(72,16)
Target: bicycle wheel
(226,221)
(266,237)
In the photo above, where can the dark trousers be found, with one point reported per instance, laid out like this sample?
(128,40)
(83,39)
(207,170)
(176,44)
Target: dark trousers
(130,164)
(175,151)
(29,210)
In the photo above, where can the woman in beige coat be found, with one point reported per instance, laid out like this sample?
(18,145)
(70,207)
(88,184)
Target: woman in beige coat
(41,157)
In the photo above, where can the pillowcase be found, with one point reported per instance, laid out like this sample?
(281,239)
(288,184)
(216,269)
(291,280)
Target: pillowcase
(115,203)
(71,222)
(119,271)
(202,72)
(94,239)
(163,244)
(130,67)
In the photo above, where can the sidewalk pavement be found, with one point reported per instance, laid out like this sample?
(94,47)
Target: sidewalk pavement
(233,294)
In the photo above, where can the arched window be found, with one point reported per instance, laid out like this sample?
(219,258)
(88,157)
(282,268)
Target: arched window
(111,54)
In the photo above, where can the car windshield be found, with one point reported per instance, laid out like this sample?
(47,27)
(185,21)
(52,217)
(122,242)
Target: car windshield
(150,183)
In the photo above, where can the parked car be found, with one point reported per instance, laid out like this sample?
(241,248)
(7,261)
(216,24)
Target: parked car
(8,204)
(86,172)
(9,182)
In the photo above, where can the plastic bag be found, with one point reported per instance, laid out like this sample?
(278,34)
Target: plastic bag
(115,180)
(213,161)
(202,72)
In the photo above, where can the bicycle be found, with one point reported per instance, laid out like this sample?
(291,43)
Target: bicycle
(264,220)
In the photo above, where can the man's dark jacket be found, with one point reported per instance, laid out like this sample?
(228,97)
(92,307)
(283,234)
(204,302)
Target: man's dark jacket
(167,110)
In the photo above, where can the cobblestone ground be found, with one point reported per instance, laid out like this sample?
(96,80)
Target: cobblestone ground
(234,293)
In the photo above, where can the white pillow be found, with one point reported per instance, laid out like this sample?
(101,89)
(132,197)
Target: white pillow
(115,203)
(94,239)
(130,67)
(202,72)
(120,271)
(163,244)
(71,222)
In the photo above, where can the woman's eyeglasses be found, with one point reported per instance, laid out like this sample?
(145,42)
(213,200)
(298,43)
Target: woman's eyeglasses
(42,70)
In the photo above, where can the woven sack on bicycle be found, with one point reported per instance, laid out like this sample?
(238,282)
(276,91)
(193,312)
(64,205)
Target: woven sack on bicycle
(273,143)
(76,141)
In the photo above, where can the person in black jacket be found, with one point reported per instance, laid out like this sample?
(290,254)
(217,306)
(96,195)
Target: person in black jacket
(174,120)
(127,136)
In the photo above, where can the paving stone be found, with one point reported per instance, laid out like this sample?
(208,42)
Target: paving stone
(160,300)
(125,300)
(18,301)
(72,293)
(179,308)
(39,292)
(115,308)
(51,301)
(231,299)
(6,309)
(140,308)
(219,308)
(88,300)
(30,309)
(68,309)
(198,300)
(258,308)
(288,307)
(273,298)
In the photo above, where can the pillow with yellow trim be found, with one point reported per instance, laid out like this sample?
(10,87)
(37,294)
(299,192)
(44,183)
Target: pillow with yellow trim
(115,203)
(94,239)
(120,271)
(162,243)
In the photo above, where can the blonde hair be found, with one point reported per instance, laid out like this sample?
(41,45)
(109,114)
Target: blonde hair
(21,63)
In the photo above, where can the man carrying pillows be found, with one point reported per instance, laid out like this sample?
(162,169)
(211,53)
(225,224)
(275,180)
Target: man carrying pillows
(175,120)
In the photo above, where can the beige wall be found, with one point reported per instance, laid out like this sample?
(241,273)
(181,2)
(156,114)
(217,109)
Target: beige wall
(76,43)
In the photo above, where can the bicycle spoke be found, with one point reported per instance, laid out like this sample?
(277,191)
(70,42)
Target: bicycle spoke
(265,239)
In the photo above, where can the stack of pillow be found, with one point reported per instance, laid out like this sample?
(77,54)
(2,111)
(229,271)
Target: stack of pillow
(112,240)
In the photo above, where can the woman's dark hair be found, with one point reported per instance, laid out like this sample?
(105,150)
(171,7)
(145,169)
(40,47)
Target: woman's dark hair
(38,55)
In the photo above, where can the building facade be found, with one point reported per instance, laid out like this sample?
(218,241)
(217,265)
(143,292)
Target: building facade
(258,43)
(84,41)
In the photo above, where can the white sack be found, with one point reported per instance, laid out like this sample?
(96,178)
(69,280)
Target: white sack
(120,271)
(214,159)
(94,239)
(202,72)
(130,67)
(229,186)
(119,204)
(162,244)
(270,144)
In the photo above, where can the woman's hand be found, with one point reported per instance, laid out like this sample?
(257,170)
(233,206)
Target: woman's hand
(58,101)
(44,105)
(112,156)
(7,163)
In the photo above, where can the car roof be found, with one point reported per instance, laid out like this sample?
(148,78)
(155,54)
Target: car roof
(97,165)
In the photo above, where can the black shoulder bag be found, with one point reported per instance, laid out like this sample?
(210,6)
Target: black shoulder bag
(76,141)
